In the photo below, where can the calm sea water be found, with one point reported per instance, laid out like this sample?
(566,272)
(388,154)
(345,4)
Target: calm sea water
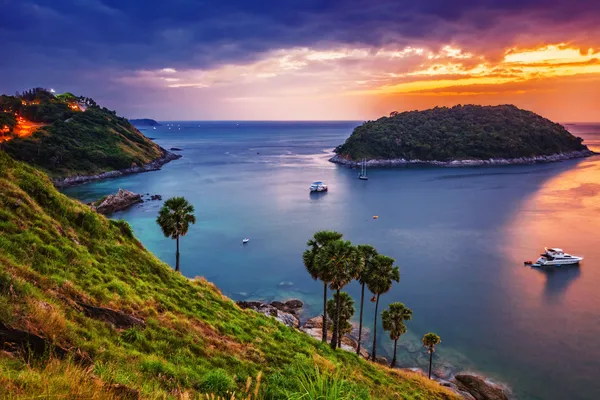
(460,237)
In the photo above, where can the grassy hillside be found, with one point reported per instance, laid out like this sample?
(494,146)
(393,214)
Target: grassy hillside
(56,254)
(459,133)
(74,141)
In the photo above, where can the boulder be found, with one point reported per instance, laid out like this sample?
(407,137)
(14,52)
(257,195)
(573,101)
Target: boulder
(479,388)
(156,197)
(314,328)
(12,339)
(270,310)
(175,149)
(116,318)
(294,304)
(117,202)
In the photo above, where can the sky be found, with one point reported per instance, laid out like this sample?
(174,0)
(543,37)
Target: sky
(306,59)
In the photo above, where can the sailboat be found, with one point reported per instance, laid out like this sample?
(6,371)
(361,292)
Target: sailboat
(363,170)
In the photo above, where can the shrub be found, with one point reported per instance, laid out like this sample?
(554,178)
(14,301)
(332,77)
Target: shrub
(217,382)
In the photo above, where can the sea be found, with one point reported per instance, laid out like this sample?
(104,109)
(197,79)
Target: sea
(459,235)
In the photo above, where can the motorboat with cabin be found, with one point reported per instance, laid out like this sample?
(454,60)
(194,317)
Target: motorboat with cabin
(318,186)
(556,257)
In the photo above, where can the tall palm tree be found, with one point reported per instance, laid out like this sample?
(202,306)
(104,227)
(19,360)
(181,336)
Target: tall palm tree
(174,219)
(342,261)
(430,340)
(393,321)
(368,253)
(346,312)
(319,240)
(380,282)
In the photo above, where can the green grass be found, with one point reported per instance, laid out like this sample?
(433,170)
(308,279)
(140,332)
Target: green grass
(90,142)
(54,251)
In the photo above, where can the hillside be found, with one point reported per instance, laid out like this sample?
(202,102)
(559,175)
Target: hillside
(459,133)
(69,135)
(121,322)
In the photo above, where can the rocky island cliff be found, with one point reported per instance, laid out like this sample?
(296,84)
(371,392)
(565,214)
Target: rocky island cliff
(460,136)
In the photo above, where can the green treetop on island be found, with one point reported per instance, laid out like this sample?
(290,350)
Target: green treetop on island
(467,132)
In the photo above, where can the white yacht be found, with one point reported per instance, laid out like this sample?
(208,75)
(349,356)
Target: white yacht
(318,187)
(557,257)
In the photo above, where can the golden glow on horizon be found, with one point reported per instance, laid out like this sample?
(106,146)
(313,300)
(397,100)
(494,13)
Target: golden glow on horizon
(328,81)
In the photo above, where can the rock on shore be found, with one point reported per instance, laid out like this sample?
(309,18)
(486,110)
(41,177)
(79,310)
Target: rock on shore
(479,388)
(314,327)
(117,202)
(401,162)
(285,313)
(151,166)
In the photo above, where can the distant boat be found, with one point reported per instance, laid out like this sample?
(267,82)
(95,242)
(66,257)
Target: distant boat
(363,170)
(318,186)
(245,240)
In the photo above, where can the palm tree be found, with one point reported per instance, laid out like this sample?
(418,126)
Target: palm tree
(316,271)
(393,321)
(368,253)
(380,282)
(342,262)
(174,219)
(429,342)
(346,312)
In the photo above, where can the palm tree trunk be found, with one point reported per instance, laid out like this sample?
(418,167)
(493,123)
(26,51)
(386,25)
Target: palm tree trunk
(339,340)
(430,359)
(374,355)
(393,364)
(177,256)
(336,323)
(324,337)
(362,298)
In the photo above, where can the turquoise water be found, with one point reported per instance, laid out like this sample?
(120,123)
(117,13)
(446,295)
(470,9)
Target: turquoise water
(460,237)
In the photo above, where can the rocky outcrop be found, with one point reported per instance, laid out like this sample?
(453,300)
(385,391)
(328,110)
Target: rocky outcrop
(479,388)
(156,197)
(401,162)
(151,166)
(116,318)
(117,202)
(276,311)
(12,339)
(314,327)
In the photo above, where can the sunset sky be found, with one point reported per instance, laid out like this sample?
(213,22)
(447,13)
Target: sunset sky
(297,60)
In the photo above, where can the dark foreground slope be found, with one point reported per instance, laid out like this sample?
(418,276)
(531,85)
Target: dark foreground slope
(444,135)
(121,322)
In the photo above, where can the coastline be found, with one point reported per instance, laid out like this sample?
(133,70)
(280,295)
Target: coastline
(401,162)
(154,165)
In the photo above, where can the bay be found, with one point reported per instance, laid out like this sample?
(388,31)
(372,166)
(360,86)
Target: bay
(459,235)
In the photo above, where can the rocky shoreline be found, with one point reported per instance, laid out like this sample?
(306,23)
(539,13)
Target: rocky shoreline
(155,165)
(467,385)
(401,162)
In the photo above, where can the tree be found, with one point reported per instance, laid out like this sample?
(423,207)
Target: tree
(380,282)
(368,253)
(316,271)
(430,340)
(342,262)
(174,219)
(345,313)
(393,321)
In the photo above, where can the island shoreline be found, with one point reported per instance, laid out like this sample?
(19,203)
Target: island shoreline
(153,165)
(401,162)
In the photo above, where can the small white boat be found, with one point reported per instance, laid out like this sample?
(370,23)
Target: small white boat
(318,186)
(245,240)
(556,257)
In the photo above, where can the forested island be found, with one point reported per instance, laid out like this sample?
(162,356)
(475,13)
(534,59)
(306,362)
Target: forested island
(144,122)
(72,138)
(461,135)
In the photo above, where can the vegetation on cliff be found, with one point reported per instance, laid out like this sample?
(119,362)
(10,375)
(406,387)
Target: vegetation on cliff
(74,136)
(467,132)
(123,323)
(144,122)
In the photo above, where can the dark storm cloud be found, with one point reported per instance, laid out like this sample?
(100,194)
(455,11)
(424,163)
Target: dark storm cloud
(83,43)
